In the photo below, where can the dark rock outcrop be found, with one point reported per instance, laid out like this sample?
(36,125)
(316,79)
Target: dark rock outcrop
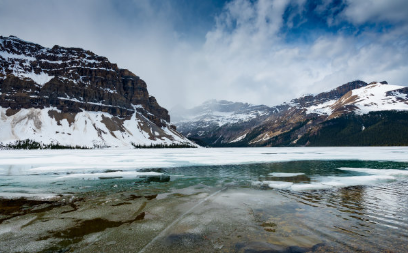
(72,80)
(330,95)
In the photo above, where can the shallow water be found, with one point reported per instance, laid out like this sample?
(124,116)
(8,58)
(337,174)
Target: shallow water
(191,205)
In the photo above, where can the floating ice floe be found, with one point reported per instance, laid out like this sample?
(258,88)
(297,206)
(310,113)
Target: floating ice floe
(281,174)
(368,177)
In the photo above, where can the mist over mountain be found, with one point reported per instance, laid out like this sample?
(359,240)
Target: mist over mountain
(353,114)
(73,97)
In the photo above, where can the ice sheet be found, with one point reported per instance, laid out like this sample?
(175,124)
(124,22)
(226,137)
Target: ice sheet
(329,182)
(279,174)
(382,172)
(21,168)
(119,174)
(26,162)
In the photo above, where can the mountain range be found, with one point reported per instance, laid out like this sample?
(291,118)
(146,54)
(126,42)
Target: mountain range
(70,97)
(354,114)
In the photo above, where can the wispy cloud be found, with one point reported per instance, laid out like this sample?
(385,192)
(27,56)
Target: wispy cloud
(252,51)
(376,11)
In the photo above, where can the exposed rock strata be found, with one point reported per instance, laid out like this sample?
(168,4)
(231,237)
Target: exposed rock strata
(78,80)
(73,97)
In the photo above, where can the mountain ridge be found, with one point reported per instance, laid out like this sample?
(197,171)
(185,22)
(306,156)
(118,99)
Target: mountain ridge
(285,124)
(68,84)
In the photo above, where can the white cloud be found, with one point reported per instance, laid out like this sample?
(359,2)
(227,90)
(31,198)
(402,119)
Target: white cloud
(375,11)
(250,61)
(244,56)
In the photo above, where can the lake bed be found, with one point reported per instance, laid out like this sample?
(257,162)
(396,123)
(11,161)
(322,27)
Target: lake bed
(205,200)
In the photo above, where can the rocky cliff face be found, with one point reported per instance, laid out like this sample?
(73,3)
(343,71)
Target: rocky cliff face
(323,97)
(301,118)
(32,76)
(73,80)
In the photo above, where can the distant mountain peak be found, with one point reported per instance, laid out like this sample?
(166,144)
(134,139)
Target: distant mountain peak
(287,123)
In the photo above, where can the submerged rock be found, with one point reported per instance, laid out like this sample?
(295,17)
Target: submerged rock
(258,247)
(153,178)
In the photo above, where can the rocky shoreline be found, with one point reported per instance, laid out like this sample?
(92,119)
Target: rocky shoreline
(125,221)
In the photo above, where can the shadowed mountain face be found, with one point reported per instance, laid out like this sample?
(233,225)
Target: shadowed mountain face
(75,85)
(355,113)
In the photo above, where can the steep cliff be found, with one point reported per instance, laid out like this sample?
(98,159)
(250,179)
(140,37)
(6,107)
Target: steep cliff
(69,84)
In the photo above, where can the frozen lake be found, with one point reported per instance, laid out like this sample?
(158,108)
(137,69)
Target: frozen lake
(39,172)
(204,200)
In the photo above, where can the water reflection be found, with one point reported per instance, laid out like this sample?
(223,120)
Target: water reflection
(354,218)
(292,179)
(244,216)
(358,218)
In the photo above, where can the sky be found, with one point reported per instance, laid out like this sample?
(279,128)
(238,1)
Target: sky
(255,51)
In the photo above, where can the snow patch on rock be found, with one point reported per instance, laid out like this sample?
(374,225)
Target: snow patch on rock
(87,129)
(374,98)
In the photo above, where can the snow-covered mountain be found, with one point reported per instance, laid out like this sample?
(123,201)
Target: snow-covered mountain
(212,115)
(374,97)
(300,120)
(73,97)
(222,112)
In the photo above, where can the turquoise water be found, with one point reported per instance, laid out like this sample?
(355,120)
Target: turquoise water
(244,175)
(282,206)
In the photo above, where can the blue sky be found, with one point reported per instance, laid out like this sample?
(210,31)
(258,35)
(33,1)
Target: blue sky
(257,51)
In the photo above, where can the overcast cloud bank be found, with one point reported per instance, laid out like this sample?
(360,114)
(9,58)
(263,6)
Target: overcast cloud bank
(262,52)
